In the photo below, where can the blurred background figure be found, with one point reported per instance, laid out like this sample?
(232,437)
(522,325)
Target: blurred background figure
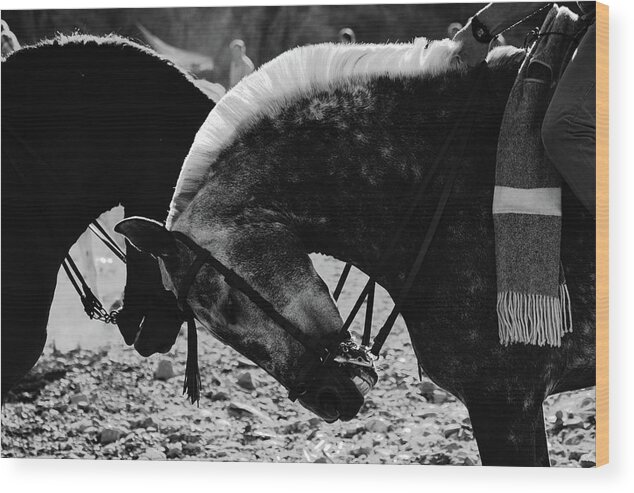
(201,66)
(346,36)
(9,40)
(241,64)
(453,28)
(196,63)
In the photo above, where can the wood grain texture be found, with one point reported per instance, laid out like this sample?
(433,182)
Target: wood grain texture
(602,302)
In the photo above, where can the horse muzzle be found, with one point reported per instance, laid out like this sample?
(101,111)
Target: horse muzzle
(338,391)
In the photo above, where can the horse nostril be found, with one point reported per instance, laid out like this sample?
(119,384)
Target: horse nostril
(328,400)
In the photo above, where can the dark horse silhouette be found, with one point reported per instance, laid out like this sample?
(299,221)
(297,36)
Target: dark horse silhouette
(88,123)
(331,168)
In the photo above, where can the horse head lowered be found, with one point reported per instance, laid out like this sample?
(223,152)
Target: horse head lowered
(265,184)
(88,123)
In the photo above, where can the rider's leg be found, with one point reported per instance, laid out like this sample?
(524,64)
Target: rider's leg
(569,129)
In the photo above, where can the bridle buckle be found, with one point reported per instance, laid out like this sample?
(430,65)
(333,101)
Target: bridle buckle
(350,354)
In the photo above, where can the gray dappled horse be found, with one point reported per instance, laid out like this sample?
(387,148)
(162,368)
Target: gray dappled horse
(329,164)
(88,123)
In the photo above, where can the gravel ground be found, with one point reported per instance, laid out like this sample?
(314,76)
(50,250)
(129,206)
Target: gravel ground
(103,401)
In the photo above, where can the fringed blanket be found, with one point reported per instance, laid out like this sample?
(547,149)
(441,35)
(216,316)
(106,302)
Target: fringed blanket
(533,305)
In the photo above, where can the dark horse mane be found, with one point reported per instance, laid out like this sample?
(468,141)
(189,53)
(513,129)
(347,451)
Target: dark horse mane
(94,83)
(88,123)
(114,42)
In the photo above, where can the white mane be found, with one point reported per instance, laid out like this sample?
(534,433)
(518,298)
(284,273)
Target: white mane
(297,72)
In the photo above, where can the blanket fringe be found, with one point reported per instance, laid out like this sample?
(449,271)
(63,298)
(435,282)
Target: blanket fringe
(533,318)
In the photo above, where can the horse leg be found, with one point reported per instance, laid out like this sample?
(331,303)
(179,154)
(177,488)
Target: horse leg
(541,442)
(25,308)
(509,432)
(29,276)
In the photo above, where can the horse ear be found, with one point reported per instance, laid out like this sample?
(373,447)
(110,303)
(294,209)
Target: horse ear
(148,236)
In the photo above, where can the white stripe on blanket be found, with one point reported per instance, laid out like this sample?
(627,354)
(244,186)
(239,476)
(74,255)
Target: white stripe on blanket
(541,201)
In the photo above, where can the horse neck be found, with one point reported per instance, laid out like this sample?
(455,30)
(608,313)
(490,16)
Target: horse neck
(346,195)
(118,123)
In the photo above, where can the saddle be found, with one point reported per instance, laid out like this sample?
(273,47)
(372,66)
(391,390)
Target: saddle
(533,303)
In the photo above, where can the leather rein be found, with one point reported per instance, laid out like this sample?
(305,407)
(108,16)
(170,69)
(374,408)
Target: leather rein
(320,355)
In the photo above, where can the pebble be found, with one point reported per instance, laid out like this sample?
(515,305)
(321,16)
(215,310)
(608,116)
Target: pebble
(385,452)
(109,435)
(148,422)
(174,437)
(588,460)
(152,454)
(239,409)
(439,396)
(575,455)
(377,439)
(245,380)
(245,363)
(377,425)
(574,438)
(587,402)
(174,451)
(322,460)
(452,447)
(219,395)
(361,451)
(353,431)
(427,390)
(191,437)
(572,423)
(192,449)
(82,425)
(164,370)
(294,428)
(452,429)
(78,398)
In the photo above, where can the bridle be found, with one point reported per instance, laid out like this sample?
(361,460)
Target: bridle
(319,356)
